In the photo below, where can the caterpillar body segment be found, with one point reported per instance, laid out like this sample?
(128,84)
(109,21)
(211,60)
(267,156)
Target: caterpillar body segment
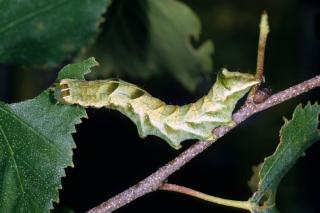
(152,116)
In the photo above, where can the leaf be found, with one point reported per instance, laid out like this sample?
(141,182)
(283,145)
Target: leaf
(143,38)
(35,147)
(78,70)
(45,32)
(152,116)
(296,136)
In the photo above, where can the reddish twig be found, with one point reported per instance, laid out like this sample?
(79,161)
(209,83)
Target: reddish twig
(155,180)
(263,35)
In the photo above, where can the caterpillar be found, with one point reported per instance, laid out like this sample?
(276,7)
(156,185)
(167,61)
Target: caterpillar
(152,116)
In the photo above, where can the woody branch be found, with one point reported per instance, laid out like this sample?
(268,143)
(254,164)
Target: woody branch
(154,181)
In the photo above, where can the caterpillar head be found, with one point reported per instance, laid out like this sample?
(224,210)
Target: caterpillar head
(62,91)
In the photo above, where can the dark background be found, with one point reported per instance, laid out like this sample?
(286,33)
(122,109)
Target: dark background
(110,156)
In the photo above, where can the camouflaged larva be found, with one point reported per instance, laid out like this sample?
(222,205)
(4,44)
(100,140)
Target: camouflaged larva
(154,117)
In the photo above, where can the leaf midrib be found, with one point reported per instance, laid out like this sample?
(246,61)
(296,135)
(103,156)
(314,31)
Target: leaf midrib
(11,152)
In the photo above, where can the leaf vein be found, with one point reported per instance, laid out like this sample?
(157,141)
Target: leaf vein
(11,153)
(45,139)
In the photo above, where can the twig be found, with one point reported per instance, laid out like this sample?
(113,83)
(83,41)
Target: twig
(264,31)
(221,201)
(155,180)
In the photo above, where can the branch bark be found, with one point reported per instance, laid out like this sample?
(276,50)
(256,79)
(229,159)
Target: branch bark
(155,180)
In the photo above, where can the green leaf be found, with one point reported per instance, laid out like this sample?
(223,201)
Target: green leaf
(78,70)
(45,32)
(35,147)
(143,38)
(296,136)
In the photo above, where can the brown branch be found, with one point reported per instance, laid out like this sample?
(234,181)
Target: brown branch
(264,31)
(155,180)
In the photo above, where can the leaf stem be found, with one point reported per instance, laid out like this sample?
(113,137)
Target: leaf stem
(221,201)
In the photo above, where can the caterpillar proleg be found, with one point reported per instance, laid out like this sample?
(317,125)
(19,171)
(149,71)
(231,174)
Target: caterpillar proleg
(152,116)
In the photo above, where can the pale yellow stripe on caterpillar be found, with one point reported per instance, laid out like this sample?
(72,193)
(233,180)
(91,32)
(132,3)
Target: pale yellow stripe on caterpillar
(152,116)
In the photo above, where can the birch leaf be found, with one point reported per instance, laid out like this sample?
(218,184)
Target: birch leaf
(296,136)
(147,38)
(46,32)
(35,147)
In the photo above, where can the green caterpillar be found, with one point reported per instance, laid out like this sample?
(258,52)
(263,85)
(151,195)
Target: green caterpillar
(152,116)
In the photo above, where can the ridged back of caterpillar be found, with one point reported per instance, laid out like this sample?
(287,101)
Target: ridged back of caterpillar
(154,117)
